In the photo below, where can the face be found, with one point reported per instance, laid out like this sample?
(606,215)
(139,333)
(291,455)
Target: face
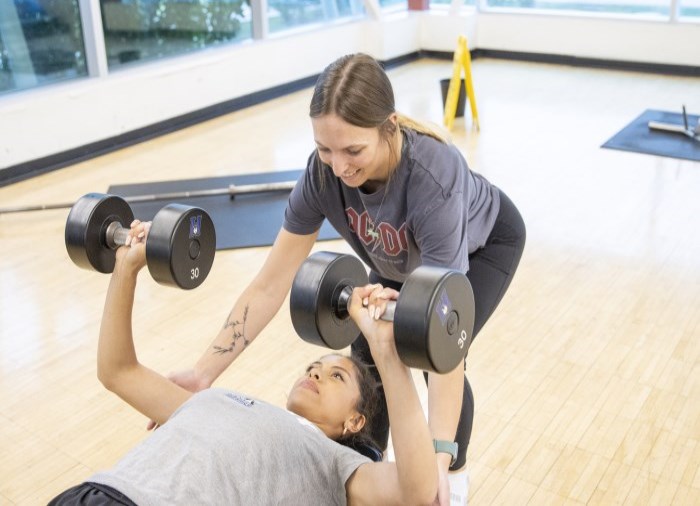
(327,395)
(357,155)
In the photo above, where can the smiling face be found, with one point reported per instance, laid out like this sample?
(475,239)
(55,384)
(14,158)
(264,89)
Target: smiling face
(328,395)
(358,156)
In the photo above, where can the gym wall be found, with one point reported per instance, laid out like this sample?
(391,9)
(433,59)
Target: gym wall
(42,122)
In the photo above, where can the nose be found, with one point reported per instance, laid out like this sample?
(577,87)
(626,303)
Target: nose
(339,164)
(315,375)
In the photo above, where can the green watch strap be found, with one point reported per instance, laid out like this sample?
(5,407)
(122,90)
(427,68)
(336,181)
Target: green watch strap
(450,447)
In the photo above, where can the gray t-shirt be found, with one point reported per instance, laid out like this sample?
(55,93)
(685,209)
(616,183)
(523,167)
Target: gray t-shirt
(222,448)
(433,211)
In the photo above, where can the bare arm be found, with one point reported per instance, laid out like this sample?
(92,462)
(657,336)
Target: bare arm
(413,478)
(445,393)
(117,365)
(256,306)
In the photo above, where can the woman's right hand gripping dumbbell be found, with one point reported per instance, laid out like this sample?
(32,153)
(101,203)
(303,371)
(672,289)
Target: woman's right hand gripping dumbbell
(367,304)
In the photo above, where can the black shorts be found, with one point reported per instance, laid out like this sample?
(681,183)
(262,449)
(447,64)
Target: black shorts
(91,494)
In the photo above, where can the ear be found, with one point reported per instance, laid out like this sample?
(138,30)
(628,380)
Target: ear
(355,423)
(390,127)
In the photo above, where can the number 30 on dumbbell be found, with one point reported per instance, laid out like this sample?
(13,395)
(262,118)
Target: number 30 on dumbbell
(433,316)
(180,246)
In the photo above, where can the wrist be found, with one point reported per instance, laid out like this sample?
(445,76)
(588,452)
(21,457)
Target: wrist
(202,379)
(446,453)
(124,270)
(385,354)
(443,461)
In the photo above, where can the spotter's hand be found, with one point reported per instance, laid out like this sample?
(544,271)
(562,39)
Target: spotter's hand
(376,300)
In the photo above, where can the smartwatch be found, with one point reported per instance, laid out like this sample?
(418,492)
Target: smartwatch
(446,447)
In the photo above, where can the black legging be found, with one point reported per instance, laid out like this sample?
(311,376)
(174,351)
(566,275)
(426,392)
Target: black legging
(491,269)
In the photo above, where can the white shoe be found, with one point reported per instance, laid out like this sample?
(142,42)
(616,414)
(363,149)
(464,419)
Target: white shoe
(459,487)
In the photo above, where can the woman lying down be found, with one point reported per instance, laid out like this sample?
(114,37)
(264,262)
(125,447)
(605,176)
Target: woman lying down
(221,447)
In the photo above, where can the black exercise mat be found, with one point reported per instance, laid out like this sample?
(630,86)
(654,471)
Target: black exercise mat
(244,222)
(638,137)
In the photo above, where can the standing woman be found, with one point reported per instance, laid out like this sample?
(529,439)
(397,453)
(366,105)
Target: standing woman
(402,196)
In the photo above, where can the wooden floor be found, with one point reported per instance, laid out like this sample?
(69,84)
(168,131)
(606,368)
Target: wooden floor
(587,378)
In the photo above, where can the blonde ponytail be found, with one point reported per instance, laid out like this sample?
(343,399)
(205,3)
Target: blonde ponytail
(423,128)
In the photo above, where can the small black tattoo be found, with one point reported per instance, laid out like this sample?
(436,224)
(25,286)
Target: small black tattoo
(238,332)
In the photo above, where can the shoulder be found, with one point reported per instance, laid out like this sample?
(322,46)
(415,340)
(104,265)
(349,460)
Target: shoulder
(347,461)
(426,150)
(433,165)
(374,483)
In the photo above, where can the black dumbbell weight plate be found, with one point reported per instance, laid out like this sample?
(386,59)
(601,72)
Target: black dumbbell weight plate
(314,299)
(181,246)
(86,226)
(434,319)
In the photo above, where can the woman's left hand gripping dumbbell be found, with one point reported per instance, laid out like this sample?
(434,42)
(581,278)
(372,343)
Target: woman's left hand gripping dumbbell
(132,256)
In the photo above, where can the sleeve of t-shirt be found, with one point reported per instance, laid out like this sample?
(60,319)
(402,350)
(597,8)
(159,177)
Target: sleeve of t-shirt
(347,461)
(303,215)
(438,214)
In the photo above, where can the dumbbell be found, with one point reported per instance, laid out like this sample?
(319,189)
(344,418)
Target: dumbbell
(433,315)
(180,246)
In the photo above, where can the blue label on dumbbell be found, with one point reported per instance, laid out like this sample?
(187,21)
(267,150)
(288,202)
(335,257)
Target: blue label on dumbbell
(195,226)
(443,307)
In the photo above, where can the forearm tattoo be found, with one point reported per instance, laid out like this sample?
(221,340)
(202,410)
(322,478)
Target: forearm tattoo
(238,332)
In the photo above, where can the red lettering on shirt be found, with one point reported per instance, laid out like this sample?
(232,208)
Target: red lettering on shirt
(392,241)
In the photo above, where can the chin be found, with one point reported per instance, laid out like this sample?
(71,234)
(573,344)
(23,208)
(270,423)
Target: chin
(296,404)
(293,406)
(352,185)
(355,181)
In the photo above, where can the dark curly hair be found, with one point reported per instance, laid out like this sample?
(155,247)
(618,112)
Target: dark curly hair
(367,405)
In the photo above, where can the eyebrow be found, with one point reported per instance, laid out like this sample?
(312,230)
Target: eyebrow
(318,363)
(342,369)
(351,146)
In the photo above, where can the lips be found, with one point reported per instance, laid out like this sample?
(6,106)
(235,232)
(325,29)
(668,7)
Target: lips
(348,175)
(309,385)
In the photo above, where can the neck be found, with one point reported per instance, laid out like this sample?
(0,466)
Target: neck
(322,427)
(327,430)
(372,185)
